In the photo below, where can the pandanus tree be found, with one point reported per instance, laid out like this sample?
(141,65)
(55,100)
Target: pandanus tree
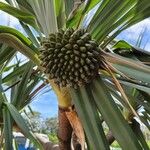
(18,88)
(96,78)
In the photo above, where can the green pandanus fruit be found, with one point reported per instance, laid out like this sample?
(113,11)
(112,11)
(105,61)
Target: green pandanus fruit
(71,58)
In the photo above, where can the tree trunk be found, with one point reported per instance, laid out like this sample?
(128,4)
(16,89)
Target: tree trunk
(64,131)
(75,142)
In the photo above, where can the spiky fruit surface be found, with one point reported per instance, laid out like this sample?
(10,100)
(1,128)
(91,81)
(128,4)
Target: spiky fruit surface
(70,57)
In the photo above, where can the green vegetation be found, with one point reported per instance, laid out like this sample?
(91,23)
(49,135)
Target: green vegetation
(105,81)
(115,144)
(53,137)
(42,125)
(148,142)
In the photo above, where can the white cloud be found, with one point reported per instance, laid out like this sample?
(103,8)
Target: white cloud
(134,31)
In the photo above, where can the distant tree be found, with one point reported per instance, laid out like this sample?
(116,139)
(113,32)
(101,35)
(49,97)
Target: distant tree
(51,125)
(35,121)
(39,124)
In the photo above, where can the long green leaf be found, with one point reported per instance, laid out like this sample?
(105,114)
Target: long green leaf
(136,127)
(129,67)
(145,121)
(137,86)
(17,72)
(30,34)
(8,68)
(19,35)
(45,15)
(69,6)
(27,96)
(87,111)
(14,42)
(137,74)
(112,89)
(114,119)
(22,124)
(78,15)
(113,16)
(124,45)
(34,93)
(24,5)
(7,129)
(21,89)
(20,14)
(6,54)
(60,13)
(1,100)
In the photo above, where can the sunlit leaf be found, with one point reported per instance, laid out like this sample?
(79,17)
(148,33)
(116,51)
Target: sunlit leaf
(7,128)
(86,108)
(117,124)
(20,14)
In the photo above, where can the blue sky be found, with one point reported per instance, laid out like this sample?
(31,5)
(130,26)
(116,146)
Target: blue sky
(131,34)
(46,103)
